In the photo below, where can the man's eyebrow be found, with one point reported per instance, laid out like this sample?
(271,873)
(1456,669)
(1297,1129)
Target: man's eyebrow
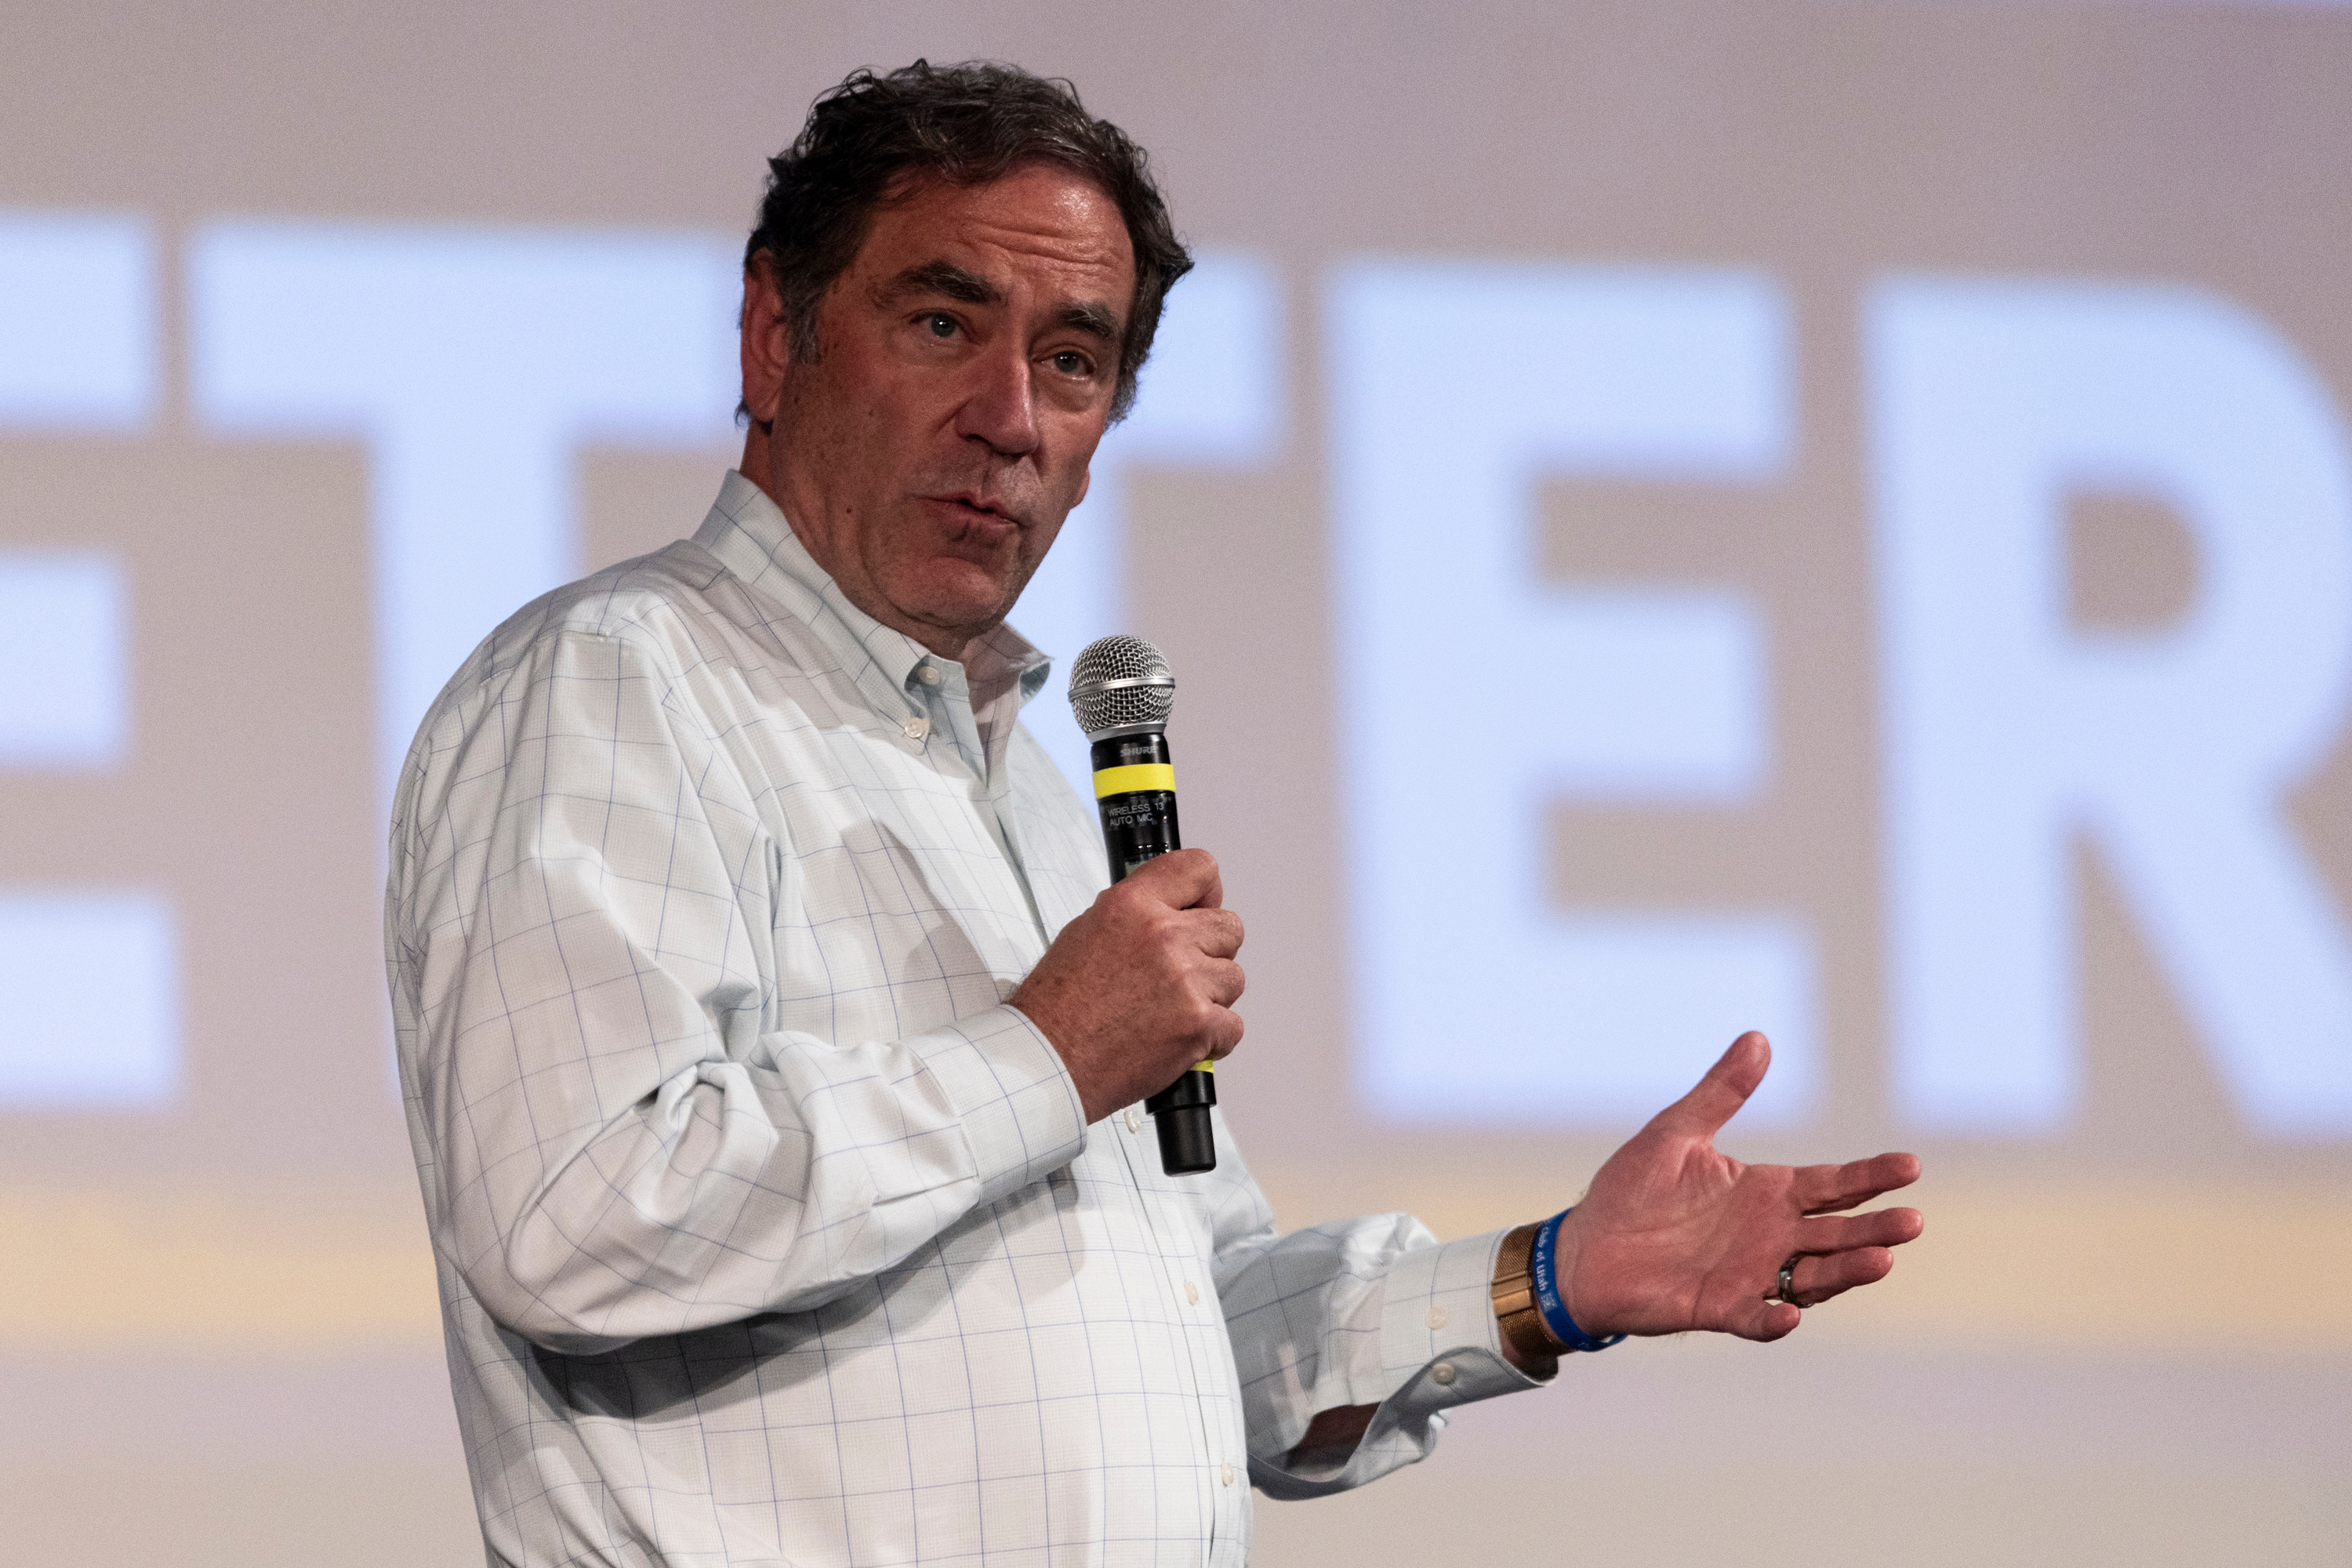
(1093,318)
(942,277)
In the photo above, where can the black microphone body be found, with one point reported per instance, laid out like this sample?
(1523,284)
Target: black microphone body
(1138,822)
(1121,693)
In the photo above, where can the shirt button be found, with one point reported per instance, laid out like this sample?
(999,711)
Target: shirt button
(1442,1373)
(917,727)
(1134,1119)
(928,674)
(1437,1317)
(1227,1473)
(1191,1294)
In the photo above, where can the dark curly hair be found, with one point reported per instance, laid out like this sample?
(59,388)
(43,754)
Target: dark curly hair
(968,124)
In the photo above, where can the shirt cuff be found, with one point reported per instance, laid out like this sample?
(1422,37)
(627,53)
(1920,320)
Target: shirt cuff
(1441,1347)
(1438,1326)
(1013,1094)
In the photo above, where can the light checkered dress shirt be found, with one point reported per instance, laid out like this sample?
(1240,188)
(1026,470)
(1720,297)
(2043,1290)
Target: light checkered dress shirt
(767,1233)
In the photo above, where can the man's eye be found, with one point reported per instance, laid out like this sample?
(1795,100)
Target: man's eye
(941,323)
(1069,361)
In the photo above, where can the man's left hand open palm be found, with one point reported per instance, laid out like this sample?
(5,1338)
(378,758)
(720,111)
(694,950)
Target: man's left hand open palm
(1676,1235)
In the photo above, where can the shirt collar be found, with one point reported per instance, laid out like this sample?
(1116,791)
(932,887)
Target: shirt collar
(750,537)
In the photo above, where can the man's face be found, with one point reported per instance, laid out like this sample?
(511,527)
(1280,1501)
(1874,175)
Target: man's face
(970,353)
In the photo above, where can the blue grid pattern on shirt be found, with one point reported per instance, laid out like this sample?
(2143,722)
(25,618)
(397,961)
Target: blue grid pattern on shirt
(766,1232)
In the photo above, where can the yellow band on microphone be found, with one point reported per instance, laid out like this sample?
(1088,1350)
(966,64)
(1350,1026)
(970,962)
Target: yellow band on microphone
(1134,779)
(1204,1067)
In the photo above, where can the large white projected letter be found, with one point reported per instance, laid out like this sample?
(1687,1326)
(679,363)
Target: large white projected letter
(473,364)
(1212,397)
(77,321)
(2006,733)
(90,982)
(77,352)
(88,986)
(1475,692)
(65,647)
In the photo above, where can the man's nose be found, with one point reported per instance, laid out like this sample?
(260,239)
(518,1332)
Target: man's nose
(999,406)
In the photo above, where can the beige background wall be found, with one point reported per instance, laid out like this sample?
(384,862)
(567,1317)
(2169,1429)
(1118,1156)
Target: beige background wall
(2127,1340)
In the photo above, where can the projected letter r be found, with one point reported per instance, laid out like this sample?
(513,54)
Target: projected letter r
(2006,732)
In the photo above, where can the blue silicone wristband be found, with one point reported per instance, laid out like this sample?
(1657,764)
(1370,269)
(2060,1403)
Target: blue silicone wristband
(1547,1283)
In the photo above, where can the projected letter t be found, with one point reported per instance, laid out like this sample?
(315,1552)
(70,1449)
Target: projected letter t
(474,363)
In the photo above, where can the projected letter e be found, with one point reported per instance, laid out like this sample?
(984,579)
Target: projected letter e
(1475,693)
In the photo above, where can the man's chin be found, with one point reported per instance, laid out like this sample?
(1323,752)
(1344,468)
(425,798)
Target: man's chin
(959,597)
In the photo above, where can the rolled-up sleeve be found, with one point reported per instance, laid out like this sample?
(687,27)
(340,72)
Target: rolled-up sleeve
(618,1147)
(1372,1311)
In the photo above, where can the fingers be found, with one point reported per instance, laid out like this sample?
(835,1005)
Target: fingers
(1224,980)
(1216,1028)
(1813,1281)
(1187,882)
(1142,985)
(1217,932)
(1884,1229)
(1724,1090)
(1770,1321)
(1826,1189)
(1221,1041)
(1213,1027)
(1844,1253)
(1182,878)
(1817,1279)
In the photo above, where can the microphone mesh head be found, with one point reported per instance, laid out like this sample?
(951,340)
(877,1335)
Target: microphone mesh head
(1120,683)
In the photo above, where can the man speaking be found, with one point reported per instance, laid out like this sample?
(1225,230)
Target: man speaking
(773,1046)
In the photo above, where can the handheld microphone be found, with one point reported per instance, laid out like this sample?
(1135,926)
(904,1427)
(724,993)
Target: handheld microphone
(1122,692)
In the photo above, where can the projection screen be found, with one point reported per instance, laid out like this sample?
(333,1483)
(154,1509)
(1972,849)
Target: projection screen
(1832,516)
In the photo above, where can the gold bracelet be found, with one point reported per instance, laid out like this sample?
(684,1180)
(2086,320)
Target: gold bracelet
(1516,1311)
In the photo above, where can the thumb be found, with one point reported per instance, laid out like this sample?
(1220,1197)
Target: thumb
(1724,1090)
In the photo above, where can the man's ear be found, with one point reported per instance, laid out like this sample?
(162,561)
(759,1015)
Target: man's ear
(767,339)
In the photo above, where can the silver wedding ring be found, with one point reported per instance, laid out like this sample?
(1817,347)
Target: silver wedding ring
(1786,1290)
